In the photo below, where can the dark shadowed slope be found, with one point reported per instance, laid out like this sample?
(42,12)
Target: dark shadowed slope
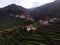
(47,10)
(13,9)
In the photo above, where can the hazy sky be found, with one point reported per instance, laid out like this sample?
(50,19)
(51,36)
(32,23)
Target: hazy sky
(25,3)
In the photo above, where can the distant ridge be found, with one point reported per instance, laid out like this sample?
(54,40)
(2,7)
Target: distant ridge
(13,8)
(47,10)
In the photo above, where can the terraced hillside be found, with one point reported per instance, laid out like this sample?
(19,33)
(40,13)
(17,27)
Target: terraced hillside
(12,34)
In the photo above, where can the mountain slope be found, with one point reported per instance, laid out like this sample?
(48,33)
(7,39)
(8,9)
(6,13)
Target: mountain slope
(47,10)
(11,32)
(13,9)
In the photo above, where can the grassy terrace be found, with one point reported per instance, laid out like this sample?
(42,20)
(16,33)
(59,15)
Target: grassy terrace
(11,34)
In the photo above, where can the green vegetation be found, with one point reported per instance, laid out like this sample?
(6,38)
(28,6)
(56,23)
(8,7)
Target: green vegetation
(11,34)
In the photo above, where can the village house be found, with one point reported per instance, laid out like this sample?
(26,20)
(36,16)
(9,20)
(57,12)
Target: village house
(17,16)
(31,28)
(22,16)
(52,19)
(29,18)
(11,14)
(44,22)
(40,21)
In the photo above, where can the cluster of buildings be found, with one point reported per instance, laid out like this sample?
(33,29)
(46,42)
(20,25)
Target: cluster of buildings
(23,16)
(49,21)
